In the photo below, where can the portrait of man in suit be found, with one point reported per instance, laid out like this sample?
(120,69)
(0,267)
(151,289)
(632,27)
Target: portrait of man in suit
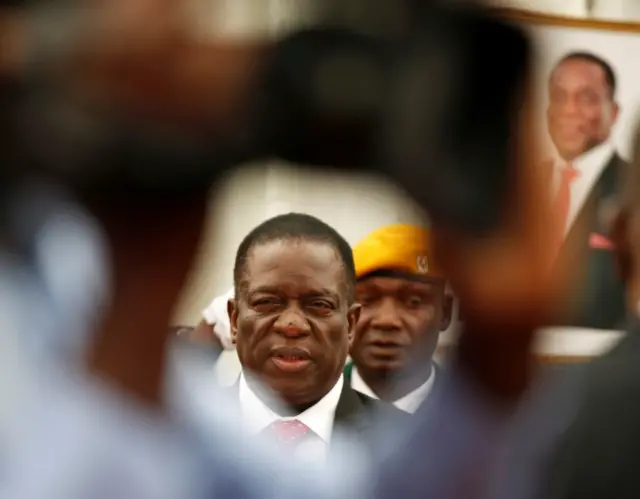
(293,319)
(585,170)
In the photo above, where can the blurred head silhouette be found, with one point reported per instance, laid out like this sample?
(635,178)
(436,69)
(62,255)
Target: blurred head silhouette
(152,236)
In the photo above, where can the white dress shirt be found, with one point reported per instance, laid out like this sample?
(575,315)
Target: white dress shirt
(409,403)
(590,165)
(319,418)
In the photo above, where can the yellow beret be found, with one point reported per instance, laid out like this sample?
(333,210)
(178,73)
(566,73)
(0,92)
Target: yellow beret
(400,247)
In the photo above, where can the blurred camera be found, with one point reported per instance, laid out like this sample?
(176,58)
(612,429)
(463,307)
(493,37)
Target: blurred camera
(422,93)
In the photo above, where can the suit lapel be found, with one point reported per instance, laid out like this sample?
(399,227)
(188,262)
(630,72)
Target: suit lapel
(349,411)
(348,371)
(596,300)
(604,188)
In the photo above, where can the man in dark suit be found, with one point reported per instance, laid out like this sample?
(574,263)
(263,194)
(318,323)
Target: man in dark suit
(585,172)
(405,306)
(293,320)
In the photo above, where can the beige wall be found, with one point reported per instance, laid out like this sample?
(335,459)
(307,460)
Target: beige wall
(615,10)
(352,205)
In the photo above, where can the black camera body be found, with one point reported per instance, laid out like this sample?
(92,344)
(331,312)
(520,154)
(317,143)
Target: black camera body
(436,96)
(422,93)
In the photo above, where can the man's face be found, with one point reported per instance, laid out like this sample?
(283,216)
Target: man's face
(292,320)
(399,323)
(581,110)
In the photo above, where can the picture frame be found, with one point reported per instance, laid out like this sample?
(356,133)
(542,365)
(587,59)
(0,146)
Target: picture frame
(617,44)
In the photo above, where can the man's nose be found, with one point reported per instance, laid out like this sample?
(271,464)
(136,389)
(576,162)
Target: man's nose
(387,316)
(570,106)
(292,323)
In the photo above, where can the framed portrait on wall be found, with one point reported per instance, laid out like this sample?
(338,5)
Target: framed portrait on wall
(587,86)
(612,46)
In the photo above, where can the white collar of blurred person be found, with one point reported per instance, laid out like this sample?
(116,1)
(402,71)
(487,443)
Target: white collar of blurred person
(70,255)
(319,418)
(409,403)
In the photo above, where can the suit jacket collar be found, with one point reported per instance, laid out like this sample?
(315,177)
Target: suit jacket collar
(588,220)
(605,187)
(350,410)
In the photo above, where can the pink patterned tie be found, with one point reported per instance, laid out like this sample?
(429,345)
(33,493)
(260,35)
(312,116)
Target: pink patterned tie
(288,434)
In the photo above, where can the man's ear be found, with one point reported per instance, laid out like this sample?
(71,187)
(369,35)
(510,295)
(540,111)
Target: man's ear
(447,312)
(353,315)
(232,310)
(615,110)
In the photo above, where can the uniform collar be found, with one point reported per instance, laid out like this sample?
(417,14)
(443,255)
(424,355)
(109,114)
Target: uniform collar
(409,403)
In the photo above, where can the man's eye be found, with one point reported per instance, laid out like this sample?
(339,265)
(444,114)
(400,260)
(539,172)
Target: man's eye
(321,304)
(264,302)
(589,98)
(415,301)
